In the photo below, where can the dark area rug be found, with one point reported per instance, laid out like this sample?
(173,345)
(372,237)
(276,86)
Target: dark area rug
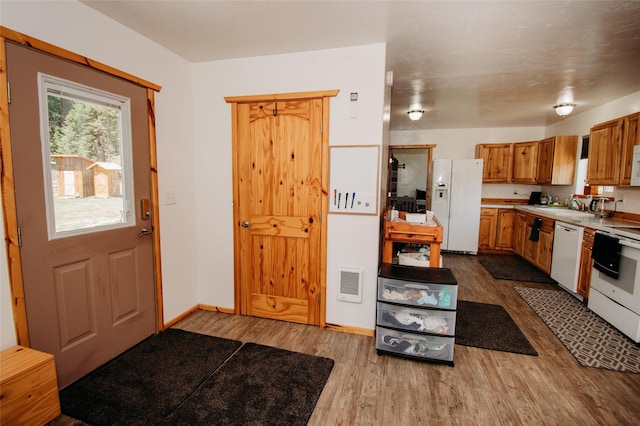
(513,268)
(259,385)
(488,326)
(591,340)
(146,383)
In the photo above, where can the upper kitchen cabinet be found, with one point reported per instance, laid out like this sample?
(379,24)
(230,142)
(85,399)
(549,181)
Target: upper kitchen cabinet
(525,162)
(557,160)
(630,137)
(611,150)
(498,160)
(605,145)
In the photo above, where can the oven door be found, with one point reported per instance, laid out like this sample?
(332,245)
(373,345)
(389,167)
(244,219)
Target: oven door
(626,289)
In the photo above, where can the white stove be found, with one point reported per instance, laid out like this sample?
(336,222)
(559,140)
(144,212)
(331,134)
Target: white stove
(617,300)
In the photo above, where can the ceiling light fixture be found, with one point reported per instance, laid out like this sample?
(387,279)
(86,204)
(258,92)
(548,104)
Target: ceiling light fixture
(564,109)
(415,114)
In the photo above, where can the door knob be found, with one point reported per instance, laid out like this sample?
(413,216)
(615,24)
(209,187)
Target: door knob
(244,224)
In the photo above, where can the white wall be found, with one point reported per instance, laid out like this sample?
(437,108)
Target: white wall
(352,240)
(80,29)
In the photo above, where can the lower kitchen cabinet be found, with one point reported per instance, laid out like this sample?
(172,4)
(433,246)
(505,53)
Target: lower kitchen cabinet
(504,229)
(538,253)
(586,263)
(487,233)
(496,229)
(416,313)
(519,231)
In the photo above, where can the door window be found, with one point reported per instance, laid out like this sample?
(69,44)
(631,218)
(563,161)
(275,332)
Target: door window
(86,146)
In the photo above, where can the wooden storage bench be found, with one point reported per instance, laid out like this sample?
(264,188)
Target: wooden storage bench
(28,387)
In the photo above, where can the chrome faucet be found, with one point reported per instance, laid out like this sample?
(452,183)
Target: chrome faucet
(579,205)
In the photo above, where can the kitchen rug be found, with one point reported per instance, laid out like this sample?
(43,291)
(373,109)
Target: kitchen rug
(592,341)
(146,383)
(513,268)
(258,385)
(488,326)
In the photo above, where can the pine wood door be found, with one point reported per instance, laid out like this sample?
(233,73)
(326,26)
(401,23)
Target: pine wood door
(280,203)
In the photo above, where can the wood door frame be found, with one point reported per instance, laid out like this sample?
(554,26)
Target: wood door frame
(429,148)
(234,101)
(9,212)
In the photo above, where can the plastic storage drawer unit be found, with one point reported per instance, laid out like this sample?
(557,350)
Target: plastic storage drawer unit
(413,319)
(428,347)
(416,312)
(425,287)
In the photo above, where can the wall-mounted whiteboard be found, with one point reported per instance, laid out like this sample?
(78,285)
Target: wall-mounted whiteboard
(353,179)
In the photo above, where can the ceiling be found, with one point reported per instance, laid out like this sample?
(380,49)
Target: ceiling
(467,64)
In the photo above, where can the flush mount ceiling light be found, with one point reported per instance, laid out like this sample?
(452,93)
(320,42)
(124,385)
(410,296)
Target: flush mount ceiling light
(564,109)
(415,114)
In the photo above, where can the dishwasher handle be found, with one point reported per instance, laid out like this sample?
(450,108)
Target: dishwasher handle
(560,226)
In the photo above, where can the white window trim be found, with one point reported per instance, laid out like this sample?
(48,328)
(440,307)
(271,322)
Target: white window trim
(62,87)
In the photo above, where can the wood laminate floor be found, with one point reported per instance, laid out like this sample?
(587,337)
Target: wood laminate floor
(484,388)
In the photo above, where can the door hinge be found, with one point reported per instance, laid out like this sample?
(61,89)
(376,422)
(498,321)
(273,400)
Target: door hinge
(8,92)
(19,237)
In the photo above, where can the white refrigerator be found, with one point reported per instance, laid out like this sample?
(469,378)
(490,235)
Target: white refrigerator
(456,193)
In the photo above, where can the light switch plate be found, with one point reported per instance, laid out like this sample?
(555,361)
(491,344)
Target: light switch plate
(170,197)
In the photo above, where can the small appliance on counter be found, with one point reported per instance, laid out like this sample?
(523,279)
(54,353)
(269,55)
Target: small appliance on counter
(534,198)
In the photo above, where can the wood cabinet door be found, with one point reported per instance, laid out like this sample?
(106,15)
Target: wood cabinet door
(586,263)
(487,234)
(544,250)
(545,161)
(630,138)
(604,154)
(530,248)
(520,229)
(565,153)
(504,229)
(525,162)
(498,160)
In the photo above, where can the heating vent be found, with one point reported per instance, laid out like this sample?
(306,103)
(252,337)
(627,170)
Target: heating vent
(350,280)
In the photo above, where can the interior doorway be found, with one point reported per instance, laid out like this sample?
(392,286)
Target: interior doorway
(409,177)
(280,178)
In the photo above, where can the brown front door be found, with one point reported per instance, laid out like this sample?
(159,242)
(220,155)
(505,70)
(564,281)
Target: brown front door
(88,276)
(280,157)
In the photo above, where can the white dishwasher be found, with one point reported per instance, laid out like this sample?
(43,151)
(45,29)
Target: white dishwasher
(565,262)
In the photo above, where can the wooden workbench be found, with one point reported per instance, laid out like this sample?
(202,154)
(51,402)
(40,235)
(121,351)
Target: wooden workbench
(404,232)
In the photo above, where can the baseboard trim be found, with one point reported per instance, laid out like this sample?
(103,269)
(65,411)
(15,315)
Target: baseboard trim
(351,330)
(231,311)
(180,317)
(217,309)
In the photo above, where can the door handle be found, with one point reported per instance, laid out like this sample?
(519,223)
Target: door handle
(145,231)
(244,223)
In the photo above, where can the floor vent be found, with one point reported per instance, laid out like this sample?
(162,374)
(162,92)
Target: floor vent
(350,285)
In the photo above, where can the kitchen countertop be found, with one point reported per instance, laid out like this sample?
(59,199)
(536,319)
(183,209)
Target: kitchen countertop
(627,228)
